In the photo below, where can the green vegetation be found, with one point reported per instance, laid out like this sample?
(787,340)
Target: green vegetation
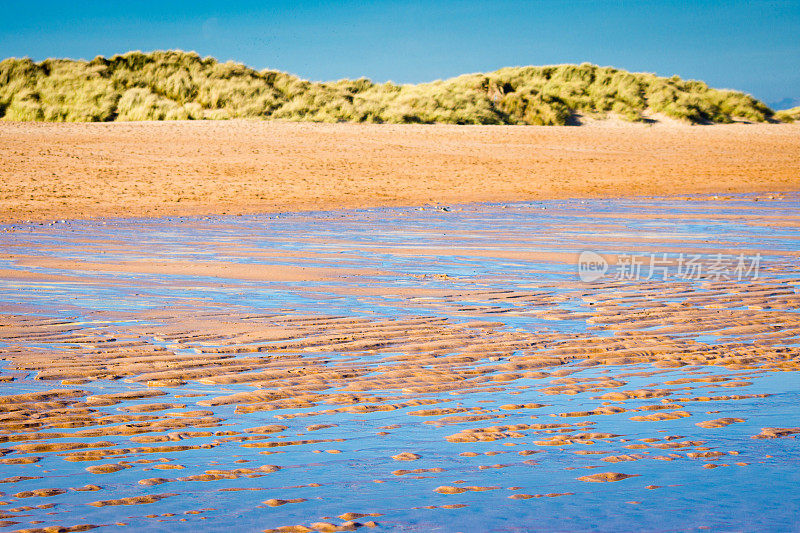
(174,85)
(788,115)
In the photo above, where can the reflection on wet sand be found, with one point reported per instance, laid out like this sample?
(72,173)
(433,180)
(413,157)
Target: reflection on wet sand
(398,368)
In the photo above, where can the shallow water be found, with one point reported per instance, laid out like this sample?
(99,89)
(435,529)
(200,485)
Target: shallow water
(405,330)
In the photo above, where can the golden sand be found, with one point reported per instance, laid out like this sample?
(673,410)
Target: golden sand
(54,171)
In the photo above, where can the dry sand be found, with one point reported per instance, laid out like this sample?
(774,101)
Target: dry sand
(189,168)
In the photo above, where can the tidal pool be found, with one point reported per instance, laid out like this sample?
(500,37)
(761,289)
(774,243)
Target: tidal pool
(444,368)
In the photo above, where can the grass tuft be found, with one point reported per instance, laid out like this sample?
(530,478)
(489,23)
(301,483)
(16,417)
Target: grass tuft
(788,115)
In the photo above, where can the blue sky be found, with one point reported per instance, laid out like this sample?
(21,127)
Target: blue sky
(751,46)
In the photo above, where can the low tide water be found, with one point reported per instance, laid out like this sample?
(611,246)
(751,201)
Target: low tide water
(444,368)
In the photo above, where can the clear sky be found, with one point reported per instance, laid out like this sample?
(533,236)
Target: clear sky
(751,46)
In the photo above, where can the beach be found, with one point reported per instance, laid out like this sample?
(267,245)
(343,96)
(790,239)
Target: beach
(312,327)
(64,171)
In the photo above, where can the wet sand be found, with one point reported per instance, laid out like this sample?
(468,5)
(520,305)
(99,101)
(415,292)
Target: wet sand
(66,171)
(403,369)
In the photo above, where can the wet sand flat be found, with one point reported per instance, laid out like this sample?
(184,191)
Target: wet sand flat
(66,171)
(405,368)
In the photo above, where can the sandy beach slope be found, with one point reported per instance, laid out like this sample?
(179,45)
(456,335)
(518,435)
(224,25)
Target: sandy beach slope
(52,171)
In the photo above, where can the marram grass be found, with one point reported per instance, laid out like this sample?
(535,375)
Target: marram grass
(175,85)
(788,115)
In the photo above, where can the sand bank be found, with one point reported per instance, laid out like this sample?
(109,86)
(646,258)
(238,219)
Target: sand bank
(55,171)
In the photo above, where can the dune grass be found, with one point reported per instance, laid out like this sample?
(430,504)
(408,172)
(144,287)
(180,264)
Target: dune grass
(788,115)
(175,85)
